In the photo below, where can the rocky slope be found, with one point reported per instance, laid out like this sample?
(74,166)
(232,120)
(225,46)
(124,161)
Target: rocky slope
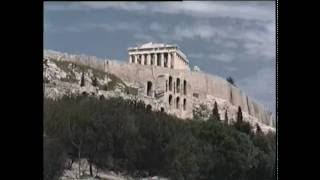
(64,78)
(70,74)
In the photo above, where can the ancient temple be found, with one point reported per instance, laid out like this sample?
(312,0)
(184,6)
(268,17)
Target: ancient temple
(157,54)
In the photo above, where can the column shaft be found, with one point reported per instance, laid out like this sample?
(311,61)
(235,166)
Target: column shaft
(135,59)
(155,59)
(174,59)
(162,60)
(148,59)
(130,59)
(169,60)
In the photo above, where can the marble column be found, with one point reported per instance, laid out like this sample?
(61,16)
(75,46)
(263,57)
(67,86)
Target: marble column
(174,59)
(130,59)
(148,59)
(162,60)
(155,59)
(135,60)
(169,60)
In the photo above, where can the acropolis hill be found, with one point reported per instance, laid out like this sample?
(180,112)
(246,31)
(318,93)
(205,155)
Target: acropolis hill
(158,74)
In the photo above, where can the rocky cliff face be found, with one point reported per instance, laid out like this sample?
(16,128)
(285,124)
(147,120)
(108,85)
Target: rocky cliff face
(69,74)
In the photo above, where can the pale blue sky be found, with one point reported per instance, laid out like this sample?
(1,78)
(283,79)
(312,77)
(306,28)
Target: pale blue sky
(223,38)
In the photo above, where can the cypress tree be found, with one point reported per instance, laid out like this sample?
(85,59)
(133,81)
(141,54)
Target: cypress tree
(82,80)
(226,119)
(239,115)
(241,125)
(215,112)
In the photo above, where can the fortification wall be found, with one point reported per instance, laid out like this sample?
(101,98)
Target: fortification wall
(198,83)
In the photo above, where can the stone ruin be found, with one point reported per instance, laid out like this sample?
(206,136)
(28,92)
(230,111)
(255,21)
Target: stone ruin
(162,75)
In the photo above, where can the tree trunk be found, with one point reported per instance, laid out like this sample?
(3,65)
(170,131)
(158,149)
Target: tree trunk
(70,164)
(79,157)
(97,171)
(90,163)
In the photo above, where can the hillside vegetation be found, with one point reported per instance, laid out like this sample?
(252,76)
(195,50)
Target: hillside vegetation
(125,136)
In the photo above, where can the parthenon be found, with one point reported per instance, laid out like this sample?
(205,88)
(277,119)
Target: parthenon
(157,54)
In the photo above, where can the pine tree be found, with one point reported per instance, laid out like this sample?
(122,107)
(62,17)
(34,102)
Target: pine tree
(215,112)
(82,80)
(226,119)
(230,80)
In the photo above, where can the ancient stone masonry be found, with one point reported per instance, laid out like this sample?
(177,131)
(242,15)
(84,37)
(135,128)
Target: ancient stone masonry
(161,55)
(164,81)
(165,70)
